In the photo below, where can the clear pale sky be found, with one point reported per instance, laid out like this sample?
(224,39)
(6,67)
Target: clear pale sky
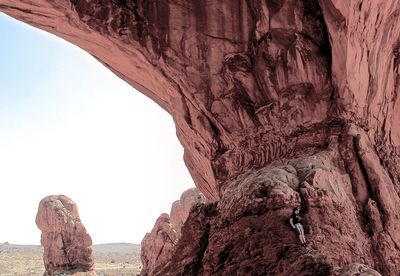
(69,126)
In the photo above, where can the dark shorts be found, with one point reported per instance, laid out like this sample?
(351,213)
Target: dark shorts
(299,229)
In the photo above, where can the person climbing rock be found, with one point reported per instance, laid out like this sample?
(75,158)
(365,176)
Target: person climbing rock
(295,223)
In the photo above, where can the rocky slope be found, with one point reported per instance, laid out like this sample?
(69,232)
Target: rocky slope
(250,82)
(67,245)
(158,246)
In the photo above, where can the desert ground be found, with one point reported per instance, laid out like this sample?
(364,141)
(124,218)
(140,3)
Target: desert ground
(115,259)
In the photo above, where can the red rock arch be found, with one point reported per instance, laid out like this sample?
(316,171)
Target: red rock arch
(251,82)
(247,82)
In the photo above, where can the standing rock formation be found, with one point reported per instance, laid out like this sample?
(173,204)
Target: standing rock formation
(251,82)
(159,245)
(67,245)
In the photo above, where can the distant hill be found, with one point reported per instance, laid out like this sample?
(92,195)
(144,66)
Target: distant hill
(14,248)
(117,247)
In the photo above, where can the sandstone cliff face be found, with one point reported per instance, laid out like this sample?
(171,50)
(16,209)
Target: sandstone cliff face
(67,245)
(158,246)
(247,232)
(250,82)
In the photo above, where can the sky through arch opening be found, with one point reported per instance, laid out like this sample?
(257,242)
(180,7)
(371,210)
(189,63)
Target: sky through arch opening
(69,126)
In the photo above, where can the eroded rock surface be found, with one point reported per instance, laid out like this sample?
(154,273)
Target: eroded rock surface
(180,209)
(67,245)
(247,232)
(159,245)
(356,270)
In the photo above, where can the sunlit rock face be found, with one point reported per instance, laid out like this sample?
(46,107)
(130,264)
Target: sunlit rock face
(158,246)
(67,245)
(251,83)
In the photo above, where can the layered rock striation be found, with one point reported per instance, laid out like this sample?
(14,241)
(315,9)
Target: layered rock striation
(158,246)
(67,245)
(253,82)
